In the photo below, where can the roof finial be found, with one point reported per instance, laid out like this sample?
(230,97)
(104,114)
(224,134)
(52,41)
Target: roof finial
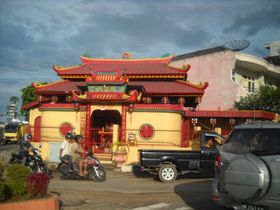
(126,55)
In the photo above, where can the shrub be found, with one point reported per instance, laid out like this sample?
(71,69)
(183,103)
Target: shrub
(5,192)
(2,168)
(37,184)
(16,178)
(2,191)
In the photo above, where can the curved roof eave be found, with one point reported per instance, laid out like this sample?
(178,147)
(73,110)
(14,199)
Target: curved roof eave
(257,64)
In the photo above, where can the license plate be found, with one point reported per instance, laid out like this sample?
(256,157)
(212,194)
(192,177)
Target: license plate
(252,207)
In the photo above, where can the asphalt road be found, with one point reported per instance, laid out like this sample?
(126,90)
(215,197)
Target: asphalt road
(135,191)
(6,150)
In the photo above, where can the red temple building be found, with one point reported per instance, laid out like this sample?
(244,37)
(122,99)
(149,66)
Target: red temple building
(141,103)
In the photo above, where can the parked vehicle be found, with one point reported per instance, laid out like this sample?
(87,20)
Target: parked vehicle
(248,168)
(94,168)
(167,164)
(13,131)
(34,161)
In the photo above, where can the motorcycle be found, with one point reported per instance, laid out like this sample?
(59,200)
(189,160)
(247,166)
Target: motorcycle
(34,161)
(70,170)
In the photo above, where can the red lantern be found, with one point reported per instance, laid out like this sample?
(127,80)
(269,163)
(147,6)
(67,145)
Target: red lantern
(149,100)
(69,98)
(131,108)
(194,121)
(54,99)
(198,100)
(213,121)
(76,106)
(181,101)
(40,98)
(231,122)
(165,100)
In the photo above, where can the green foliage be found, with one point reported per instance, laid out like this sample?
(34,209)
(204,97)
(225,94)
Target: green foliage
(86,55)
(2,168)
(16,176)
(267,98)
(2,191)
(5,192)
(27,96)
(37,184)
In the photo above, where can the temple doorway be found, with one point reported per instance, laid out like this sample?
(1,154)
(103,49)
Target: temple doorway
(102,122)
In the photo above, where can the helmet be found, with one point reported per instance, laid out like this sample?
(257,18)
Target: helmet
(69,135)
(27,137)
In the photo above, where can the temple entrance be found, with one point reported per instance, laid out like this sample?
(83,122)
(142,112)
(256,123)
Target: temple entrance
(102,122)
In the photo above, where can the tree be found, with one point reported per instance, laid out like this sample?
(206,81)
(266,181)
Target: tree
(267,98)
(27,96)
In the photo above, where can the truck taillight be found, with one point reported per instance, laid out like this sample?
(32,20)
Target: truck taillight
(218,163)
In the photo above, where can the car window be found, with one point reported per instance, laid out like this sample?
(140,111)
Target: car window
(259,141)
(212,141)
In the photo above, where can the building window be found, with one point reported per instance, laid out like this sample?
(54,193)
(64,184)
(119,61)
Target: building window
(249,84)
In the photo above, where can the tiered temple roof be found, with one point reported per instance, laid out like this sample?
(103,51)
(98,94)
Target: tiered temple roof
(114,79)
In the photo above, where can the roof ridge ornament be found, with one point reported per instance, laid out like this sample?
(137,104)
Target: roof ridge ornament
(126,55)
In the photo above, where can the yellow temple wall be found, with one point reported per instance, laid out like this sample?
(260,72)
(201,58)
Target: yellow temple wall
(167,128)
(52,120)
(45,149)
(33,114)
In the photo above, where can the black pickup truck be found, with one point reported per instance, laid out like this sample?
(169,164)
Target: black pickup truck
(167,164)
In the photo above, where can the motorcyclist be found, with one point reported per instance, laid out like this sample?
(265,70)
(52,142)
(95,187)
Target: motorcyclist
(79,154)
(25,147)
(64,152)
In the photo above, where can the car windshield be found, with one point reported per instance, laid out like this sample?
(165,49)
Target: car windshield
(258,141)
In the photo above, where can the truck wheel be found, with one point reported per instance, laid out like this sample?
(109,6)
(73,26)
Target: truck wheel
(167,173)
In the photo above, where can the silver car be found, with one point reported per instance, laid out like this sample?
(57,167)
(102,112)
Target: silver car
(248,168)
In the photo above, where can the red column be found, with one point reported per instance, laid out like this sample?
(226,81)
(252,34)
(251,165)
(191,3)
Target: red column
(185,129)
(88,125)
(123,128)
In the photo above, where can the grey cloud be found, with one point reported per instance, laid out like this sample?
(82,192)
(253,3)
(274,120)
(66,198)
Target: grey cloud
(37,34)
(267,16)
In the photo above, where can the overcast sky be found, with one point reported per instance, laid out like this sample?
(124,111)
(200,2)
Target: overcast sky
(35,34)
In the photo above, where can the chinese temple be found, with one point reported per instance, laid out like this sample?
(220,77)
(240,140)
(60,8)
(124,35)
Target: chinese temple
(139,103)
